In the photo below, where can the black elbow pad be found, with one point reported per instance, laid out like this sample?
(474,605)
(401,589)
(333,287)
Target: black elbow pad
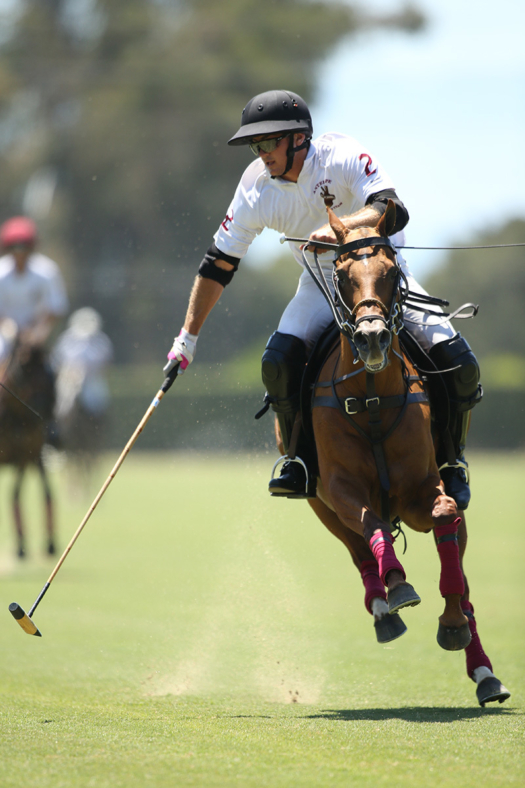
(379,201)
(208,269)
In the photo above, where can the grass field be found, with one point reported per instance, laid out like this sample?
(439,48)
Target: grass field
(203,634)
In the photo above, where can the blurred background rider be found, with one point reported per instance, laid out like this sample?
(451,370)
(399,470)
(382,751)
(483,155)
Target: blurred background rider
(32,298)
(80,358)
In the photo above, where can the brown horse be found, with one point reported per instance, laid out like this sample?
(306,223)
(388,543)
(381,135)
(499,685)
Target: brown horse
(370,470)
(25,400)
(376,452)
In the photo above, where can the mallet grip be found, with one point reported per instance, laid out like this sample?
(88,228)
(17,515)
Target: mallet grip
(170,379)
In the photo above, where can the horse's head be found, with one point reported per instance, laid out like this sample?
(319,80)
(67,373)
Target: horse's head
(366,277)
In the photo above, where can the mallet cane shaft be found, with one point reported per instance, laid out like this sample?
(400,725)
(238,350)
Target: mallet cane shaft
(24,619)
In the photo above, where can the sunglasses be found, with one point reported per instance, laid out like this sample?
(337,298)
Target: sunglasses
(266,146)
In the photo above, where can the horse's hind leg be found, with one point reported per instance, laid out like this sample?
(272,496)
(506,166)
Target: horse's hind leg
(479,667)
(50,513)
(387,627)
(17,514)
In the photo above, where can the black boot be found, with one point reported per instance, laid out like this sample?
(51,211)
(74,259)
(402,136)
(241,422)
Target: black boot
(283,365)
(464,392)
(291,481)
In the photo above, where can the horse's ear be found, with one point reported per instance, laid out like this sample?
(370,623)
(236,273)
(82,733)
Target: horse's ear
(387,222)
(337,226)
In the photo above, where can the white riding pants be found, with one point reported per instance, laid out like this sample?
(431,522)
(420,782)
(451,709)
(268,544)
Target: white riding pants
(308,313)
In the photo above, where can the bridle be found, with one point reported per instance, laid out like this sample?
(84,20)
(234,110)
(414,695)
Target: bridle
(345,316)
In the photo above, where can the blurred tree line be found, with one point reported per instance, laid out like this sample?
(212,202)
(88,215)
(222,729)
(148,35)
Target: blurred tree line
(494,279)
(114,117)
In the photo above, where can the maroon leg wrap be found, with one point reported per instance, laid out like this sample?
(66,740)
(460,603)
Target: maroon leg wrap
(475,656)
(451,580)
(381,546)
(372,583)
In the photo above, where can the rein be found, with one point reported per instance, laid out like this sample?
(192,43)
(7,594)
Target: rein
(345,318)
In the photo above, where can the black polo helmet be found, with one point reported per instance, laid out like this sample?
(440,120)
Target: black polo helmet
(272,112)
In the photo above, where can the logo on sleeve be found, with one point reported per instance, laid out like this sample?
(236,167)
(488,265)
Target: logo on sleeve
(368,171)
(226,222)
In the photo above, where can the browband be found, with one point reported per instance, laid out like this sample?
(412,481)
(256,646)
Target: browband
(352,246)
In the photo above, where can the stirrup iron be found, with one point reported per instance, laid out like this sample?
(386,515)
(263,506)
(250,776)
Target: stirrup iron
(458,464)
(286,458)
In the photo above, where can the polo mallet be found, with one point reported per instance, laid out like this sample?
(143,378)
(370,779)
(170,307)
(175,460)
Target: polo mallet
(23,618)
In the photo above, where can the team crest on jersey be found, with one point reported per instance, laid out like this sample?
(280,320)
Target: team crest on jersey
(322,188)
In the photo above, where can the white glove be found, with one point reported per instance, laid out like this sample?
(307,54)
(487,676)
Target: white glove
(182,352)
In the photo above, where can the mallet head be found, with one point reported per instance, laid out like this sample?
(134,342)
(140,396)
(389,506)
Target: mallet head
(24,620)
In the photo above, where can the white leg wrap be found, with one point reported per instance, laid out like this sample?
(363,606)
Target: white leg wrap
(379,608)
(482,673)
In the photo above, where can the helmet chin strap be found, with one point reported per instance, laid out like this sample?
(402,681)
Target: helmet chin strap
(290,155)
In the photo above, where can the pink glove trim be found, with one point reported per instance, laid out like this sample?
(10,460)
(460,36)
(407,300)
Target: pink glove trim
(184,361)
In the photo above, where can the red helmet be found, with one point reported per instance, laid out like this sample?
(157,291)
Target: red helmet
(18,230)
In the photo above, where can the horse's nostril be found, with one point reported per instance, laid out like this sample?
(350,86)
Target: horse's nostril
(360,341)
(384,338)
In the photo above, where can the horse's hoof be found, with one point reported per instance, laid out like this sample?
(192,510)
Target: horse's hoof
(491,689)
(403,595)
(389,628)
(21,552)
(51,549)
(454,638)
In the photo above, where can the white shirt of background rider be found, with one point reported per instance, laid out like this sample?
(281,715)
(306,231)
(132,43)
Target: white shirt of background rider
(38,290)
(334,161)
(80,358)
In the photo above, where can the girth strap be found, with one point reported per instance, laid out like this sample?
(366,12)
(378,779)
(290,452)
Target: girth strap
(353,405)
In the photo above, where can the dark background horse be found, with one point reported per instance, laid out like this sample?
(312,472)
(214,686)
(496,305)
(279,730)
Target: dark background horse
(26,406)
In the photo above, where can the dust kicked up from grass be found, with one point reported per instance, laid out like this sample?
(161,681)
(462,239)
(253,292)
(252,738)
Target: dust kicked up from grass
(254,609)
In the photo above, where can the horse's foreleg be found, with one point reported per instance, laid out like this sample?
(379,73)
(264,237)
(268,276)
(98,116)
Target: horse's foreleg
(17,514)
(387,627)
(359,552)
(354,510)
(479,667)
(49,509)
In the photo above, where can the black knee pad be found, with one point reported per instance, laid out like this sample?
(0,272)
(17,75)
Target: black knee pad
(462,383)
(283,364)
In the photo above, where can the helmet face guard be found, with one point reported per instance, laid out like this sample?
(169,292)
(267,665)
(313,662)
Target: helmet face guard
(273,112)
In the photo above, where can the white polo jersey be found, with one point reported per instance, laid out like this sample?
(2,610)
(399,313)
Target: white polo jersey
(38,290)
(335,161)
